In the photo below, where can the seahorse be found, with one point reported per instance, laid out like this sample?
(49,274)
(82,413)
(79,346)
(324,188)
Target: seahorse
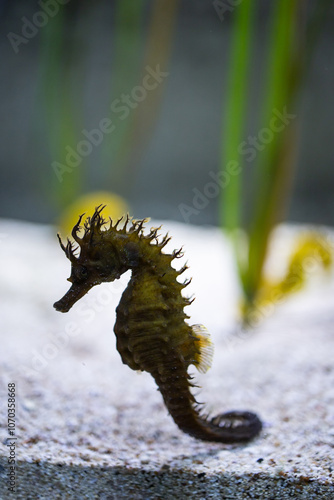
(152,333)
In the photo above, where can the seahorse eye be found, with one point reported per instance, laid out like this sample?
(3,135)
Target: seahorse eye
(79,273)
(83,272)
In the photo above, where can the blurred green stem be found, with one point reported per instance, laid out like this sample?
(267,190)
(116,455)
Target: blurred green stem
(60,114)
(126,70)
(291,43)
(272,166)
(235,110)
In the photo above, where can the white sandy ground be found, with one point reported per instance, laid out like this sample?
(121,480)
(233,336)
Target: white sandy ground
(89,427)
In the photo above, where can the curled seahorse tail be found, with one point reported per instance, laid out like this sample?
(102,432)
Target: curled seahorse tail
(240,425)
(230,427)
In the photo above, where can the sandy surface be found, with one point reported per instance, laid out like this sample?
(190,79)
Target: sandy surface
(89,427)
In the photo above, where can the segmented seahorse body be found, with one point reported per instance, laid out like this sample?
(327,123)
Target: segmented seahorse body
(151,328)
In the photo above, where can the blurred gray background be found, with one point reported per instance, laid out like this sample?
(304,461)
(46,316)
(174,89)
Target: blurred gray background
(183,142)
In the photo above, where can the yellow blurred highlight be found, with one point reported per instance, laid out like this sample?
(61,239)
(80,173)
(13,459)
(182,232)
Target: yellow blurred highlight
(115,208)
(311,253)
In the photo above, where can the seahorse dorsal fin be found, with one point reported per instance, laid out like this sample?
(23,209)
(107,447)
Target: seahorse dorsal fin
(203,359)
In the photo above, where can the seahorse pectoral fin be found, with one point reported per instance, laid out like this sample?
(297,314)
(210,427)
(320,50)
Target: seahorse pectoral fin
(203,359)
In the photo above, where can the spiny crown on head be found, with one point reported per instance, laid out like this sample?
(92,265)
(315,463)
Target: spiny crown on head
(105,252)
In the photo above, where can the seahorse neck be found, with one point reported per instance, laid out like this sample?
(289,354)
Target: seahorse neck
(143,257)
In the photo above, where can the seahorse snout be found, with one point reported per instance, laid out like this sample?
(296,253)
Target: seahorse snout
(61,306)
(71,297)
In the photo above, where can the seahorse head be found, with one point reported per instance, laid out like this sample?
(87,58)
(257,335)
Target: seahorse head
(99,259)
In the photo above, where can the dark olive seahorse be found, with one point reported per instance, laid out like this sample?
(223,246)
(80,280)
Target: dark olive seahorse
(151,328)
